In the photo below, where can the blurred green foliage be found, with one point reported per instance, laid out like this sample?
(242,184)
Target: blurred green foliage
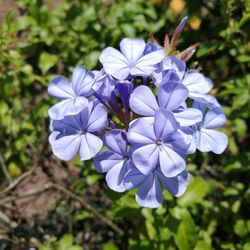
(52,37)
(65,243)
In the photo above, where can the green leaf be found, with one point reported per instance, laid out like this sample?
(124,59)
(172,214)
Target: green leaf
(240,228)
(202,245)
(8,20)
(114,195)
(230,191)
(195,193)
(75,247)
(206,48)
(45,248)
(152,233)
(65,242)
(47,61)
(147,213)
(240,100)
(23,22)
(128,30)
(186,236)
(92,59)
(246,246)
(110,246)
(14,170)
(128,213)
(239,126)
(236,206)
(248,225)
(82,214)
(243,58)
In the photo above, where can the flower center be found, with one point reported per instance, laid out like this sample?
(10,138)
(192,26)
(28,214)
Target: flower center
(81,132)
(158,142)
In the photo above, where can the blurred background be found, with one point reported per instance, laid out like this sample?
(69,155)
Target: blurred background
(47,204)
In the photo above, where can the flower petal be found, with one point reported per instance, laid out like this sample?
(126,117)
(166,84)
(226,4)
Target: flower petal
(132,49)
(116,140)
(171,163)
(104,84)
(69,125)
(142,70)
(67,107)
(82,81)
(188,134)
(147,64)
(179,142)
(174,62)
(169,76)
(97,119)
(188,117)
(114,63)
(66,147)
(171,95)
(90,146)
(134,178)
(211,140)
(146,158)
(106,160)
(149,193)
(208,101)
(176,185)
(151,59)
(197,83)
(60,88)
(214,118)
(142,101)
(141,131)
(164,124)
(115,176)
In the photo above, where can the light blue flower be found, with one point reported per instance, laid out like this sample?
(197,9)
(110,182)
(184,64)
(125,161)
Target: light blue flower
(205,136)
(149,193)
(115,161)
(77,133)
(72,95)
(171,97)
(157,141)
(131,60)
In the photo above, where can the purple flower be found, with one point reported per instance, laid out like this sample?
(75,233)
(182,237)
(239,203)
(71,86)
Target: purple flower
(151,47)
(77,132)
(165,76)
(124,88)
(114,161)
(149,193)
(197,84)
(131,60)
(171,97)
(171,64)
(182,24)
(103,85)
(174,63)
(72,95)
(205,136)
(157,141)
(209,101)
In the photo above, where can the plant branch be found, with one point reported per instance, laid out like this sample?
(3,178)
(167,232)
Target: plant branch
(69,193)
(74,196)
(4,168)
(17,181)
(28,193)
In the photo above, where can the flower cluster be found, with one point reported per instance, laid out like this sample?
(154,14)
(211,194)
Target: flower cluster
(146,108)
